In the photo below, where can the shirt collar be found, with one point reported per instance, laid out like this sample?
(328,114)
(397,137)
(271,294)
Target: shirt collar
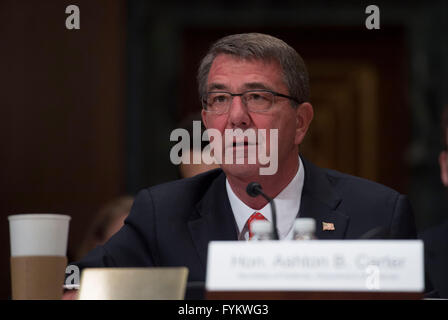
(287,204)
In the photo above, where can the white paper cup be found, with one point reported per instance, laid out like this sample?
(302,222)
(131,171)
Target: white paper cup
(38,234)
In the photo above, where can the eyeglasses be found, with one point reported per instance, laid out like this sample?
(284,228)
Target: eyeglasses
(219,102)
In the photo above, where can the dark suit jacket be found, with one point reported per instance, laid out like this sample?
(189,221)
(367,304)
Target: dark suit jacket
(436,251)
(171,224)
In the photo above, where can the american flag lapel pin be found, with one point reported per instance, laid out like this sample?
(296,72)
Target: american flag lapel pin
(328,226)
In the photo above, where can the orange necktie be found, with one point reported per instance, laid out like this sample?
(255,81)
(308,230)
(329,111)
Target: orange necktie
(253,217)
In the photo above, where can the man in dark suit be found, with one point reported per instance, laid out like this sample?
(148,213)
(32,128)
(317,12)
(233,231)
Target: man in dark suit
(251,81)
(436,238)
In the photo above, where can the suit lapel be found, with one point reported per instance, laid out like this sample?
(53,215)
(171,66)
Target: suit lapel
(214,219)
(319,201)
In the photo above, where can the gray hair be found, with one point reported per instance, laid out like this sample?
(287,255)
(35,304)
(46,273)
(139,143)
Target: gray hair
(260,47)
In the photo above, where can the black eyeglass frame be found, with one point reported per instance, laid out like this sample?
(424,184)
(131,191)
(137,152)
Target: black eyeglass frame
(275,94)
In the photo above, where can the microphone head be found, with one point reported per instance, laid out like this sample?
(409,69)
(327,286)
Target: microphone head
(253,189)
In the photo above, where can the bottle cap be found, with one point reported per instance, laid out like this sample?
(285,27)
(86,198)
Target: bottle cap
(305,225)
(261,226)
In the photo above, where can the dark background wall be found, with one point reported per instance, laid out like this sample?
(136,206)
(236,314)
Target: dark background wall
(85,115)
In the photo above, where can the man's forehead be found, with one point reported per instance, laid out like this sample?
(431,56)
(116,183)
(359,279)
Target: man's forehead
(268,69)
(238,59)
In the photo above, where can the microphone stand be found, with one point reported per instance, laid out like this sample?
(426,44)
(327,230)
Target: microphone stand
(254,189)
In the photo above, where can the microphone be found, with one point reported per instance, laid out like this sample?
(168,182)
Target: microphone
(254,189)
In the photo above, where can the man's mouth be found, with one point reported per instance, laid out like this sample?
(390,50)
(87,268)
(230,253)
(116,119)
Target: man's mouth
(239,144)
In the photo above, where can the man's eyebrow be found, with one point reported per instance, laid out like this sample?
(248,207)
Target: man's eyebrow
(256,85)
(247,86)
(216,86)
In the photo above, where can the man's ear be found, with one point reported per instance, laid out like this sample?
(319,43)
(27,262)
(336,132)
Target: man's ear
(304,115)
(204,118)
(443,158)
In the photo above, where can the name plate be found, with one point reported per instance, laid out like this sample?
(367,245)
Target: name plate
(321,265)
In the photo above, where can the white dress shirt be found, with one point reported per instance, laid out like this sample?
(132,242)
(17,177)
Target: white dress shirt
(287,204)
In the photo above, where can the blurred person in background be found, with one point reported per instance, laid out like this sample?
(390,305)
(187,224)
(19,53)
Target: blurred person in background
(188,168)
(109,219)
(436,238)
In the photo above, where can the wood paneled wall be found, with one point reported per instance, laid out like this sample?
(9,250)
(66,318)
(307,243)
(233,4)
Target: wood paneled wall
(62,109)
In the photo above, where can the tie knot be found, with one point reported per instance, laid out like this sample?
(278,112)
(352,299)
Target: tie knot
(255,216)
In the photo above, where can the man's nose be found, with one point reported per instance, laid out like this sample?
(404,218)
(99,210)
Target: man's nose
(238,114)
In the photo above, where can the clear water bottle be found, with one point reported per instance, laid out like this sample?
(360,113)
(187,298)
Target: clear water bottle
(304,229)
(262,230)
